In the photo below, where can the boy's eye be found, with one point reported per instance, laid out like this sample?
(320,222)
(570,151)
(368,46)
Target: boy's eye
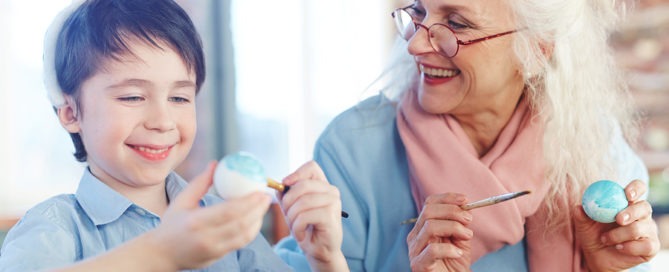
(178,99)
(131,98)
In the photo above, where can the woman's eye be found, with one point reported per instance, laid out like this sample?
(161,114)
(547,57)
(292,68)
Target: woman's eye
(455,25)
(416,13)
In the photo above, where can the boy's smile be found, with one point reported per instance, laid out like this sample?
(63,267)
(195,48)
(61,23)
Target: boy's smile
(137,118)
(152,153)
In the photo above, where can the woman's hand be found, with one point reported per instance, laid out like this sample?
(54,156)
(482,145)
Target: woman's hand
(440,240)
(312,208)
(193,237)
(630,241)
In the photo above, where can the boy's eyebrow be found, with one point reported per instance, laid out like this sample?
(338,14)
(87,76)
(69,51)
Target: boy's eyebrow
(184,83)
(144,83)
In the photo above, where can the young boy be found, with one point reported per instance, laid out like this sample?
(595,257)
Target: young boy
(123,76)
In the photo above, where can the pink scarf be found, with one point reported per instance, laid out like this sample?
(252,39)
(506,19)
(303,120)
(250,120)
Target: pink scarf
(442,159)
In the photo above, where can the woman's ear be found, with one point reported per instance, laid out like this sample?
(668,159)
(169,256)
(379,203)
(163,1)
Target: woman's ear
(68,115)
(547,49)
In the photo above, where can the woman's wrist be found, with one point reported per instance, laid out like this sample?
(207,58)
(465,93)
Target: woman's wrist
(596,268)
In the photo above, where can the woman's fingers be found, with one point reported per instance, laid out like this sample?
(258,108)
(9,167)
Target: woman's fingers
(645,248)
(635,212)
(443,206)
(637,230)
(438,251)
(635,190)
(446,212)
(446,198)
(437,230)
(632,232)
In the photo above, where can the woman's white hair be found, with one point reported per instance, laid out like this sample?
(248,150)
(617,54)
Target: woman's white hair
(573,84)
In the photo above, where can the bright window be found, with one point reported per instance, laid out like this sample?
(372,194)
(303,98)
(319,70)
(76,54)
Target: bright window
(34,147)
(297,65)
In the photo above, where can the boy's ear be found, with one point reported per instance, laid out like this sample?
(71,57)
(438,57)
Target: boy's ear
(68,115)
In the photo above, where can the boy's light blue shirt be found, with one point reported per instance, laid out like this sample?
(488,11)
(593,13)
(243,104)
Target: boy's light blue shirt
(362,154)
(72,227)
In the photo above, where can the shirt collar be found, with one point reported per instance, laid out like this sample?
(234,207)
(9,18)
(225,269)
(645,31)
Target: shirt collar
(100,202)
(104,205)
(174,184)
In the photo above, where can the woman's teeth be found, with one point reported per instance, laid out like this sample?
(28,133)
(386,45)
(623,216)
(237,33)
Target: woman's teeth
(436,72)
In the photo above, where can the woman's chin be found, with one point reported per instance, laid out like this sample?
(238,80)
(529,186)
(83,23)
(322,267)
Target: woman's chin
(435,103)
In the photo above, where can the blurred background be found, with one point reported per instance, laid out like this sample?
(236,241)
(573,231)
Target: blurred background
(277,73)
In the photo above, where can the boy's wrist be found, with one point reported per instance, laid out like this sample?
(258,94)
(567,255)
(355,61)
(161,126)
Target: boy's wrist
(336,263)
(156,253)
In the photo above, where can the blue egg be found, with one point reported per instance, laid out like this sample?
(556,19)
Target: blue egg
(245,164)
(603,200)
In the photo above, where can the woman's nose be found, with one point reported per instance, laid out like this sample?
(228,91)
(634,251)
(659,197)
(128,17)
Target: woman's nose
(420,42)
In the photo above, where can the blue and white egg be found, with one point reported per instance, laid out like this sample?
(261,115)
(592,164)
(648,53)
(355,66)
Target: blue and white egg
(239,174)
(603,200)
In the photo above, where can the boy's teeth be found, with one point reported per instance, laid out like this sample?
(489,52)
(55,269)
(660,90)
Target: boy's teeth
(435,72)
(149,150)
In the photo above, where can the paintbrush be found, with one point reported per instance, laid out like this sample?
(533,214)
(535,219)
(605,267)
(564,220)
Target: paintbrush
(481,203)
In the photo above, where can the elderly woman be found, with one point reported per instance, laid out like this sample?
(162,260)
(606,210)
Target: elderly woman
(493,96)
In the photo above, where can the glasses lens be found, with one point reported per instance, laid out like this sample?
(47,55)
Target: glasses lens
(404,24)
(443,40)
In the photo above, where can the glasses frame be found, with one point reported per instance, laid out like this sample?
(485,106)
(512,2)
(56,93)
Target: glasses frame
(431,36)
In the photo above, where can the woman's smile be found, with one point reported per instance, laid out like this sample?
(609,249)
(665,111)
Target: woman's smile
(434,75)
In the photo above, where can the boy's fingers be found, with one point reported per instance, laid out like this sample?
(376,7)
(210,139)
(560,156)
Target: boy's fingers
(233,208)
(309,170)
(197,187)
(304,187)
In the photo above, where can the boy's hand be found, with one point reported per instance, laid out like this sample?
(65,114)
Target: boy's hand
(312,209)
(194,237)
(631,240)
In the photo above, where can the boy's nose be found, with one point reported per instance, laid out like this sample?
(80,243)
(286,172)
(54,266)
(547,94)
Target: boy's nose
(160,118)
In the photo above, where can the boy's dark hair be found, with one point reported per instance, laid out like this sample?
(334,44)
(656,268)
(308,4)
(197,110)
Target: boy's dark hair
(99,30)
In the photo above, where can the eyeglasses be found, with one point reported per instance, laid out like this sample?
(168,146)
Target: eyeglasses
(442,38)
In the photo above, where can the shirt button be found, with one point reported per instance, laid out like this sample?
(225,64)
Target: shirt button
(141,212)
